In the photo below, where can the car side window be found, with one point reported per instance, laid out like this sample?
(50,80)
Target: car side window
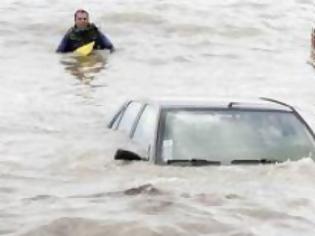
(144,132)
(117,119)
(129,116)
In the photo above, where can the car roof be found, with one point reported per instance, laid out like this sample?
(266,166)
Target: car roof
(208,102)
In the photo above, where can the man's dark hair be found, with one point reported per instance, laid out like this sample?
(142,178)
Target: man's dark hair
(80,11)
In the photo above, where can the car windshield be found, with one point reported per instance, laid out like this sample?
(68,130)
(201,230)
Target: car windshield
(232,135)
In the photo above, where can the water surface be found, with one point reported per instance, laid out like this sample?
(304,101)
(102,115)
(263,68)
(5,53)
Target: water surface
(57,176)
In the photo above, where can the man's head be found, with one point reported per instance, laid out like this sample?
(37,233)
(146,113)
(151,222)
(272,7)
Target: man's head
(81,18)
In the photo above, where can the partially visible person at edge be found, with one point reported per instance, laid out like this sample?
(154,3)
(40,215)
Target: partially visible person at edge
(83,32)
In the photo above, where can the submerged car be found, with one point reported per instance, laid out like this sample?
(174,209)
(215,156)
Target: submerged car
(212,132)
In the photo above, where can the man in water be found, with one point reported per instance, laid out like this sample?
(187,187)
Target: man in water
(83,32)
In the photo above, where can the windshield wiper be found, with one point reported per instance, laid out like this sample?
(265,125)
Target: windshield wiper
(193,162)
(255,161)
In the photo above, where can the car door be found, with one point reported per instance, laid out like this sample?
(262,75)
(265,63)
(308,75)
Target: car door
(145,130)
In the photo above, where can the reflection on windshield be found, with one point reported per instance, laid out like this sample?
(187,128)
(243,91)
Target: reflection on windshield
(84,68)
(235,135)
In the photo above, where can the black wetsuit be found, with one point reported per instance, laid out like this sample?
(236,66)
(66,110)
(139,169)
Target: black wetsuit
(76,38)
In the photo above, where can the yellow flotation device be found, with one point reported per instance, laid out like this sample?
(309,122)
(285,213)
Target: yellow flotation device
(85,50)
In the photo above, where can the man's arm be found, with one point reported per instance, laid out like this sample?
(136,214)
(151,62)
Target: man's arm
(104,42)
(63,46)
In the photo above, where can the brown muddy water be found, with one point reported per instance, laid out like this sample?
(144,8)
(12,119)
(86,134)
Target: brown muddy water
(57,174)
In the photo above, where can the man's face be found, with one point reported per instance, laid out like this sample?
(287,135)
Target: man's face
(81,20)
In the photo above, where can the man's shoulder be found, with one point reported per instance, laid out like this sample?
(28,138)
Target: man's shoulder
(92,27)
(70,30)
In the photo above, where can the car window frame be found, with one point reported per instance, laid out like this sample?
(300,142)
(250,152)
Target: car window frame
(304,122)
(117,116)
(149,106)
(121,114)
